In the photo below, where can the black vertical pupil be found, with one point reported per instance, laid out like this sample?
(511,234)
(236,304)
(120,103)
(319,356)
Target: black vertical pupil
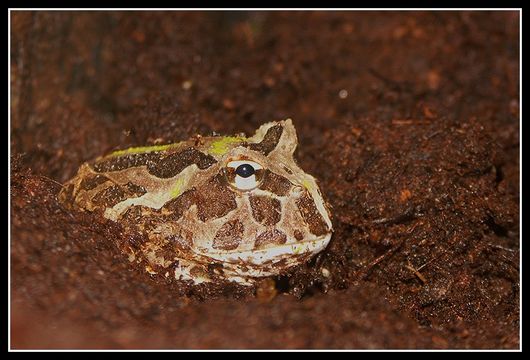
(245,170)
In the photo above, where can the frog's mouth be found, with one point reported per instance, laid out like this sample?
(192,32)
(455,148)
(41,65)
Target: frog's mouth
(266,261)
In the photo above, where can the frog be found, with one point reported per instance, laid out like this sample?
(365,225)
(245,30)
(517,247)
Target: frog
(210,208)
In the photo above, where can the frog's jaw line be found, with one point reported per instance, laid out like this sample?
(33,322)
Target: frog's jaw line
(254,262)
(258,257)
(255,259)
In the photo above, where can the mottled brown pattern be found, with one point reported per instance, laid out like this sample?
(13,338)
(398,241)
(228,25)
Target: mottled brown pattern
(173,164)
(91,182)
(166,251)
(198,272)
(132,215)
(311,216)
(127,161)
(298,235)
(228,237)
(270,237)
(177,206)
(110,196)
(134,190)
(215,199)
(142,217)
(182,240)
(289,171)
(269,142)
(266,210)
(157,164)
(275,183)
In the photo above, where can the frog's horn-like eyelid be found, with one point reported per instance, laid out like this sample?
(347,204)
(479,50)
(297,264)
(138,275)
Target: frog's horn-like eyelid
(287,141)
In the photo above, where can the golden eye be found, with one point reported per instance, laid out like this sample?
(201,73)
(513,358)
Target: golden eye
(244,174)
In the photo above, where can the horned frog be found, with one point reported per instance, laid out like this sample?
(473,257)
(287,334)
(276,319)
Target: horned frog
(212,208)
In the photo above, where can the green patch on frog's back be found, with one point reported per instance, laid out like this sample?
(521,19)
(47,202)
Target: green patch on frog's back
(222,145)
(144,149)
(176,190)
(218,147)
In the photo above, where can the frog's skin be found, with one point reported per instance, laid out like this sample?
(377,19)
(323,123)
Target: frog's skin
(203,222)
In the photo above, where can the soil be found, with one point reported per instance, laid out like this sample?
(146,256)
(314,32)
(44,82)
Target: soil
(409,120)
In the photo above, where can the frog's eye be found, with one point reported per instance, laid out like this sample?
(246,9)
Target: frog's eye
(244,174)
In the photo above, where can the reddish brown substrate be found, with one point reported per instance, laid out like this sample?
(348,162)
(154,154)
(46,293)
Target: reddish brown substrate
(408,120)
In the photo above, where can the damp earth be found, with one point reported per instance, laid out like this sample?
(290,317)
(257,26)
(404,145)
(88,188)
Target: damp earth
(409,121)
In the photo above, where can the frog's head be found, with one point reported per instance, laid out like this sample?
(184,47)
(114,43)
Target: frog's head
(259,209)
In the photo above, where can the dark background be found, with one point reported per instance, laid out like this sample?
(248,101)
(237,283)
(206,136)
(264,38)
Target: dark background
(409,120)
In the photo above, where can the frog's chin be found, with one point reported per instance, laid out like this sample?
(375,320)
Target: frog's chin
(245,267)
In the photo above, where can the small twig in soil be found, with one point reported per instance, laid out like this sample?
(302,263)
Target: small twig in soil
(410,122)
(428,262)
(47,178)
(407,216)
(502,247)
(416,272)
(367,270)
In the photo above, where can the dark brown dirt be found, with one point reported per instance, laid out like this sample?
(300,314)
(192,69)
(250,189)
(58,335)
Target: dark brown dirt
(410,121)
